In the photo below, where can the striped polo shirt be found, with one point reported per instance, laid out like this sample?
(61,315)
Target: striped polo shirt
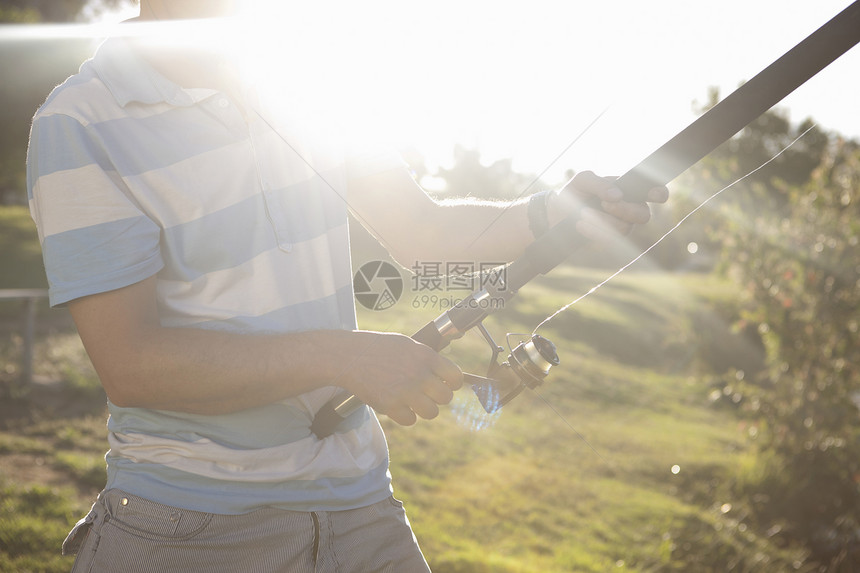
(242,217)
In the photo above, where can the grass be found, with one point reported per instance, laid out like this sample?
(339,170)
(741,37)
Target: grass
(33,520)
(621,461)
(587,484)
(50,472)
(20,255)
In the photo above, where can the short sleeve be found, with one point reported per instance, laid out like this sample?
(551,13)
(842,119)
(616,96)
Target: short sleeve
(94,236)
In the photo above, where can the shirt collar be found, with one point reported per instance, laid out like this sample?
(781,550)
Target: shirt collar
(130,78)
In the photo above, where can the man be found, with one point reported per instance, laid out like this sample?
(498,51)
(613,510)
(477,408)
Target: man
(201,248)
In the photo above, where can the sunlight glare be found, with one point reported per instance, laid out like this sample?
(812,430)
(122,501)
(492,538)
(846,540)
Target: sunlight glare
(469,413)
(511,80)
(342,63)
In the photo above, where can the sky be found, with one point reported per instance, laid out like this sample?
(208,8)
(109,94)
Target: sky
(521,79)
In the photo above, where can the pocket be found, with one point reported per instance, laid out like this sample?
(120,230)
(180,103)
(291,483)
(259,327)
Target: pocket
(152,520)
(397,511)
(78,534)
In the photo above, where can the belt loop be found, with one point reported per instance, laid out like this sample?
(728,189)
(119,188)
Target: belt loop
(316,538)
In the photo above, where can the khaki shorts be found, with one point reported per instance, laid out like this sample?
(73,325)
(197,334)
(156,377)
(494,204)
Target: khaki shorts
(131,534)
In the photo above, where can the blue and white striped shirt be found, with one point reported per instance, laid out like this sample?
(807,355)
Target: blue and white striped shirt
(245,226)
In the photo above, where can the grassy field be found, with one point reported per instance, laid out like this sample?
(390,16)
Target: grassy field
(20,257)
(624,460)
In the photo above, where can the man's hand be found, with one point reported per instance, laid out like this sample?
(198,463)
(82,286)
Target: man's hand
(398,376)
(604,212)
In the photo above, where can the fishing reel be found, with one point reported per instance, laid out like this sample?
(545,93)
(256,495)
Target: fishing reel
(526,367)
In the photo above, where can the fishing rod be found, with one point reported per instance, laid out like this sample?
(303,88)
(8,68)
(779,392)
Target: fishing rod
(530,362)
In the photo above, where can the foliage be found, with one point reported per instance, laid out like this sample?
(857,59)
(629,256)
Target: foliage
(469,177)
(30,68)
(19,250)
(790,241)
(18,15)
(29,11)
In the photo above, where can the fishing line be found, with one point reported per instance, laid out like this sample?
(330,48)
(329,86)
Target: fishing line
(670,231)
(364,222)
(553,408)
(628,265)
(569,425)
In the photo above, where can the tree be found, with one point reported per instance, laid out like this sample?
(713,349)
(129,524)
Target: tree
(30,11)
(469,177)
(791,240)
(30,68)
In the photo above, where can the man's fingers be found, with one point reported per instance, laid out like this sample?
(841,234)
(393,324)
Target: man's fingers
(636,213)
(446,370)
(438,390)
(601,227)
(424,407)
(402,378)
(403,415)
(419,405)
(658,194)
(591,183)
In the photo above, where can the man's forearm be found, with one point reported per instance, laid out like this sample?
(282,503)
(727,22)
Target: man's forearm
(142,364)
(415,228)
(469,230)
(210,372)
(205,372)
(483,231)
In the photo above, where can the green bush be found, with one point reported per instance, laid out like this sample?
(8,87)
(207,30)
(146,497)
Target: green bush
(791,243)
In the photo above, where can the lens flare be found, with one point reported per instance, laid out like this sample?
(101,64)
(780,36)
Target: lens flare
(470,414)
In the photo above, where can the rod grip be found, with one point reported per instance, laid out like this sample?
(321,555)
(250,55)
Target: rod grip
(326,420)
(431,336)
